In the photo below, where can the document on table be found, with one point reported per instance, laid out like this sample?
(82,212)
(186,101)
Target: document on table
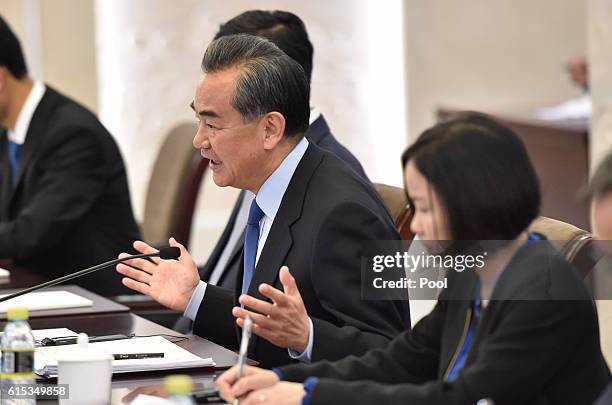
(40,334)
(5,276)
(175,357)
(38,301)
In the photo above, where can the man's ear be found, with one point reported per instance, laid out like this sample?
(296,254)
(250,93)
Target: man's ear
(273,125)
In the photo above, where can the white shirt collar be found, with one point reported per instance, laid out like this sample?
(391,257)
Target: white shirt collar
(18,134)
(272,191)
(314,114)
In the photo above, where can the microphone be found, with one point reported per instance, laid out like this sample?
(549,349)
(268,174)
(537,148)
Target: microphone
(165,253)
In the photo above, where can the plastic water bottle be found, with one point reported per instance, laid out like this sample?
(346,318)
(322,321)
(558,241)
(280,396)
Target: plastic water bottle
(178,389)
(17,345)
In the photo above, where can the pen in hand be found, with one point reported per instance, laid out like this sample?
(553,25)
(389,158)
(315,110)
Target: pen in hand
(244,345)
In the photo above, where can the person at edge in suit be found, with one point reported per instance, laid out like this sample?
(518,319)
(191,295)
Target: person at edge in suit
(287,31)
(64,198)
(312,213)
(523,330)
(600,189)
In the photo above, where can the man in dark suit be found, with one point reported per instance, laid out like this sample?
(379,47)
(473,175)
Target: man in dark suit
(287,31)
(64,199)
(311,212)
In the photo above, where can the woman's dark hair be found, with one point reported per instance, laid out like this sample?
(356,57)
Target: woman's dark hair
(482,174)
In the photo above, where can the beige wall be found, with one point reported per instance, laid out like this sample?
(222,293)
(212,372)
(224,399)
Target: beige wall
(492,54)
(13,11)
(149,54)
(69,51)
(57,37)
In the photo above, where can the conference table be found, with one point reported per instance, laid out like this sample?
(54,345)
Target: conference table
(106,317)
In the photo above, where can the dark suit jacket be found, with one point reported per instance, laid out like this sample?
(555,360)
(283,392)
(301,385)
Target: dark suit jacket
(532,346)
(70,207)
(606,397)
(319,134)
(326,215)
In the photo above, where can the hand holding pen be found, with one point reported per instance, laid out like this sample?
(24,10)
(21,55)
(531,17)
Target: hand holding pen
(244,346)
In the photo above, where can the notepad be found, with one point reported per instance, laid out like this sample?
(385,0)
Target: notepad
(175,357)
(5,276)
(38,301)
(40,334)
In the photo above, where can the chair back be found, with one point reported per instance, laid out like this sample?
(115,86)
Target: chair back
(173,188)
(397,203)
(572,242)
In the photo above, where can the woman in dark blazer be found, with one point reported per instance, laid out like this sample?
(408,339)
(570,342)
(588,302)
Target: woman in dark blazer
(523,330)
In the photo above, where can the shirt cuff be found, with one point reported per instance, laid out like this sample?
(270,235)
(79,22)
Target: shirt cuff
(306,356)
(279,373)
(309,385)
(196,299)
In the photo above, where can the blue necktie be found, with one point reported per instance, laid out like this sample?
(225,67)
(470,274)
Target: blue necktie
(14,150)
(251,239)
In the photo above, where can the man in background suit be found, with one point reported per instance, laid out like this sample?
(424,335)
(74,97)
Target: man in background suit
(312,213)
(64,199)
(287,31)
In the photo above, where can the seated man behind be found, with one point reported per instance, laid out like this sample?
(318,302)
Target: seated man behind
(64,199)
(311,213)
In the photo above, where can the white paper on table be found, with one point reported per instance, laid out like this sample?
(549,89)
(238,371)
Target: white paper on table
(175,357)
(38,301)
(143,399)
(40,334)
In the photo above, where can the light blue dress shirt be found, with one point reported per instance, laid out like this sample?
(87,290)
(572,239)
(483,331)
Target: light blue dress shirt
(268,198)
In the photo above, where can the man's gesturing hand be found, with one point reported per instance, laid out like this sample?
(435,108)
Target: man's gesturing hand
(169,282)
(284,322)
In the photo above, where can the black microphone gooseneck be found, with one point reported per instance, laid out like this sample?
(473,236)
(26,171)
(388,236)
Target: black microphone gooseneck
(165,253)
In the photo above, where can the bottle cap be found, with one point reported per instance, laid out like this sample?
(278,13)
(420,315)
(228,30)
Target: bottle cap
(17,314)
(83,352)
(178,384)
(82,340)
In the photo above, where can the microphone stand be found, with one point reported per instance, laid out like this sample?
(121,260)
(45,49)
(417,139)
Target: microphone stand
(78,274)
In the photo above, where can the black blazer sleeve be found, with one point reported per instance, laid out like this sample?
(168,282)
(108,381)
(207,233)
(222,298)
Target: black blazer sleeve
(531,346)
(410,357)
(73,173)
(358,325)
(214,319)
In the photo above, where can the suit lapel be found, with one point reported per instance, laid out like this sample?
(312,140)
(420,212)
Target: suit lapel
(5,185)
(211,263)
(232,263)
(279,240)
(455,326)
(36,129)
